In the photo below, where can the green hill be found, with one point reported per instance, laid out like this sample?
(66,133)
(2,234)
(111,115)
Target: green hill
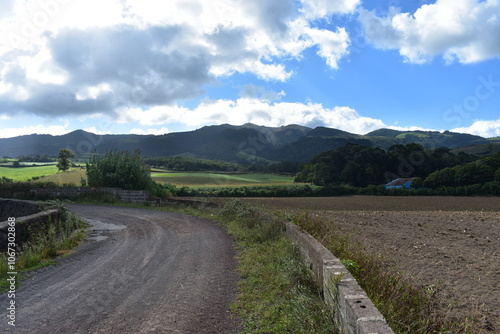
(244,144)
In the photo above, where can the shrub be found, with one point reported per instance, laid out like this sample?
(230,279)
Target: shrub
(119,170)
(162,191)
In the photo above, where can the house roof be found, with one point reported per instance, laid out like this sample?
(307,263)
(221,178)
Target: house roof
(399,182)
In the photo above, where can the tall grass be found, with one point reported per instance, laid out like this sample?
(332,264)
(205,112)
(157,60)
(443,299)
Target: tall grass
(407,308)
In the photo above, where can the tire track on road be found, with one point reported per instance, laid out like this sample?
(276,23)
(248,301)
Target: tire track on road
(163,273)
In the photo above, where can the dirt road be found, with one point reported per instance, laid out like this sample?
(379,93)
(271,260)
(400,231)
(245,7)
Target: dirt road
(144,271)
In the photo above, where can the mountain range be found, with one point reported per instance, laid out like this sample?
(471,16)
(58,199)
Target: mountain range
(243,144)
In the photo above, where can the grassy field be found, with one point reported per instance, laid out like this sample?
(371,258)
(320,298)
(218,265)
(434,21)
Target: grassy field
(223,180)
(49,173)
(26,173)
(74,176)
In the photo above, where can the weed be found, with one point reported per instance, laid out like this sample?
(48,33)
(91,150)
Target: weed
(350,265)
(260,225)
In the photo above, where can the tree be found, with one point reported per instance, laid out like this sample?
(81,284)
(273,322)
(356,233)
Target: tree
(417,183)
(442,178)
(63,159)
(473,173)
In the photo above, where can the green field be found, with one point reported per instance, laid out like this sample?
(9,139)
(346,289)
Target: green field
(223,180)
(74,176)
(26,173)
(49,173)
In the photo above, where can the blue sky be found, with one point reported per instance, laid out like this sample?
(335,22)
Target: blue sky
(152,67)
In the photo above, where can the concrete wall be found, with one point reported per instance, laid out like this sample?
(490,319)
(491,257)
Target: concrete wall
(26,223)
(130,196)
(354,311)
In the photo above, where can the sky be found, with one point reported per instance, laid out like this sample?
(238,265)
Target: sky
(157,67)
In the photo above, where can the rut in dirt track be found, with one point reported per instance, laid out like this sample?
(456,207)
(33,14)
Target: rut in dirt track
(157,272)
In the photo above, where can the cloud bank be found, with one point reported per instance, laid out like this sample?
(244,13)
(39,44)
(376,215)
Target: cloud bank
(466,31)
(63,57)
(254,110)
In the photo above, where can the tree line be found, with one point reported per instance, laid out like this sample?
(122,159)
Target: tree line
(193,164)
(362,166)
(36,158)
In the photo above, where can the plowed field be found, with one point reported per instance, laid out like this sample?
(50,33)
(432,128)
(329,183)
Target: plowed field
(450,245)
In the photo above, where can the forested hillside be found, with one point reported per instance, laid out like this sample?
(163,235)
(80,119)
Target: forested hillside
(360,165)
(248,144)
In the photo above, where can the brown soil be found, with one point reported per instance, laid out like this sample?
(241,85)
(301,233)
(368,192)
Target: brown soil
(447,244)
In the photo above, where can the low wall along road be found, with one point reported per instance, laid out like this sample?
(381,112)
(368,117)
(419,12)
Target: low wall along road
(354,311)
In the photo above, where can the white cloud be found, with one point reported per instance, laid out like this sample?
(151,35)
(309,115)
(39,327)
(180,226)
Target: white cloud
(410,128)
(463,30)
(156,132)
(40,68)
(332,46)
(93,92)
(257,111)
(97,131)
(54,130)
(314,9)
(485,129)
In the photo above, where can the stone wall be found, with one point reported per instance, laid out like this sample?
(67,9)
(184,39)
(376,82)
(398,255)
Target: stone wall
(28,217)
(17,208)
(355,312)
(130,196)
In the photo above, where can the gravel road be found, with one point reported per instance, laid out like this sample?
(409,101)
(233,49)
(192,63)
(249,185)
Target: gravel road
(143,271)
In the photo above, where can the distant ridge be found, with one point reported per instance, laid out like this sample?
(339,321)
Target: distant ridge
(384,133)
(245,144)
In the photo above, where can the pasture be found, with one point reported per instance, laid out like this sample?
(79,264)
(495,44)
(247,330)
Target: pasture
(72,176)
(27,173)
(194,179)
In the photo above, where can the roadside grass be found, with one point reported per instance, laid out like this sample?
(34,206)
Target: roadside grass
(407,308)
(45,245)
(277,293)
